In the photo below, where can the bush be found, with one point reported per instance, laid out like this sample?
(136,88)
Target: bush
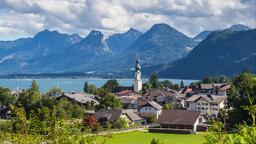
(120,123)
(152,119)
(155,141)
(5,125)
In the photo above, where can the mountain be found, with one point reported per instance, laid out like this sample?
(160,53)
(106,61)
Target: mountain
(239,27)
(92,45)
(201,36)
(224,52)
(24,53)
(121,41)
(161,44)
(77,55)
(4,45)
(159,49)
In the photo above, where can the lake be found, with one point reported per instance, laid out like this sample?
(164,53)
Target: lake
(68,84)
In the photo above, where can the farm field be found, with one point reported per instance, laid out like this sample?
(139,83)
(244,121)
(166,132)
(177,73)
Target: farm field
(141,137)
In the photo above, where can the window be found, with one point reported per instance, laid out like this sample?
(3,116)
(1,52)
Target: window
(206,104)
(202,108)
(198,104)
(199,108)
(202,103)
(146,108)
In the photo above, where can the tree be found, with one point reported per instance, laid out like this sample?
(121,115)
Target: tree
(154,80)
(86,87)
(68,110)
(120,123)
(152,119)
(146,86)
(168,106)
(55,91)
(29,100)
(6,98)
(110,85)
(92,89)
(167,84)
(90,121)
(218,135)
(243,88)
(34,86)
(245,134)
(176,87)
(182,84)
(110,101)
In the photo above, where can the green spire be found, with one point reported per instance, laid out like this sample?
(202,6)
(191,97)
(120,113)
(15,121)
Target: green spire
(137,66)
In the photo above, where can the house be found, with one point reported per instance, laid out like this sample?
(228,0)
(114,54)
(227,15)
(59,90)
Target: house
(122,88)
(223,90)
(129,93)
(206,88)
(209,105)
(216,89)
(178,121)
(150,108)
(164,96)
(105,116)
(128,102)
(4,112)
(79,98)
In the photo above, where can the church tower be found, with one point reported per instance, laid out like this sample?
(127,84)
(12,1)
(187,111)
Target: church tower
(137,80)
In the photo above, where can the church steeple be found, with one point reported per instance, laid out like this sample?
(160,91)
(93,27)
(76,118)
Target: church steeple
(137,66)
(137,80)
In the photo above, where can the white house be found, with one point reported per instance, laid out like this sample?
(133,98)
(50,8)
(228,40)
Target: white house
(151,108)
(207,104)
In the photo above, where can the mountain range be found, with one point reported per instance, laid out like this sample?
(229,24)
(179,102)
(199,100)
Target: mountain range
(159,48)
(224,52)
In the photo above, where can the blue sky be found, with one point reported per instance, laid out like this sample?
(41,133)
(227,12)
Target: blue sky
(24,18)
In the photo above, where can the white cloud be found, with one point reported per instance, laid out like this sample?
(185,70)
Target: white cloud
(27,17)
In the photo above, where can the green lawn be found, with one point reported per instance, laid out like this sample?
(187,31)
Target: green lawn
(139,137)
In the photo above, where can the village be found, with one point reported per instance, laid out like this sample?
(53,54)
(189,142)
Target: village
(154,106)
(165,110)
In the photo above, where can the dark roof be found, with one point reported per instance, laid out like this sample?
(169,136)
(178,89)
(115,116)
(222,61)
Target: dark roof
(121,88)
(79,97)
(178,117)
(206,86)
(111,115)
(208,98)
(225,87)
(153,93)
(133,116)
(153,104)
(126,100)
(124,92)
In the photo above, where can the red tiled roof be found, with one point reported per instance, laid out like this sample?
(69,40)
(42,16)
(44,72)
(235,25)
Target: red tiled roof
(123,92)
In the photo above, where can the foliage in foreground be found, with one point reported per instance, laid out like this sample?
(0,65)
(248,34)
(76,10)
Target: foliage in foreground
(246,134)
(44,127)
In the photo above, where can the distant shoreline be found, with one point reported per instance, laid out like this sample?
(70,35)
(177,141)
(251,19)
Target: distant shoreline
(77,76)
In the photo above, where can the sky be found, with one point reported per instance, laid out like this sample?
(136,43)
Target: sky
(24,18)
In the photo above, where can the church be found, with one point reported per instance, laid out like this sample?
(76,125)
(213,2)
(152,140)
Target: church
(137,83)
(137,79)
